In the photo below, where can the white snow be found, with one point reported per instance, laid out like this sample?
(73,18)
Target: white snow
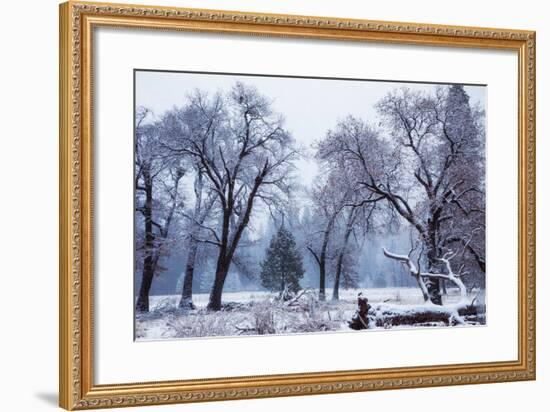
(259,312)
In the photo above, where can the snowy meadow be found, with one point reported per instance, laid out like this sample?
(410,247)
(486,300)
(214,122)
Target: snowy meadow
(261,313)
(279,205)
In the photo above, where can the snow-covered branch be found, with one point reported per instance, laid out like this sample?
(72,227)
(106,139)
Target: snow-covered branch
(413,270)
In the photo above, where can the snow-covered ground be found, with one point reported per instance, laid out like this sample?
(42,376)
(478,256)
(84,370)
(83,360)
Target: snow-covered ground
(258,313)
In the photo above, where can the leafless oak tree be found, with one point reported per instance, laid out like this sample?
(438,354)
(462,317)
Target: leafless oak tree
(417,162)
(157,181)
(245,155)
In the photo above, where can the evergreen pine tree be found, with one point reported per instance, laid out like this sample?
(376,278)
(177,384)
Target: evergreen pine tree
(282,267)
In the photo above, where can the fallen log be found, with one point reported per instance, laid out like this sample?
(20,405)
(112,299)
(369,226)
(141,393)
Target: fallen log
(427,315)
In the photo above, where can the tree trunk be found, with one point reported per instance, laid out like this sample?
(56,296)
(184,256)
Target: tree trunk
(433,284)
(222,265)
(283,288)
(186,301)
(142,304)
(323,259)
(322,276)
(215,300)
(199,216)
(349,229)
(336,288)
(434,289)
(227,246)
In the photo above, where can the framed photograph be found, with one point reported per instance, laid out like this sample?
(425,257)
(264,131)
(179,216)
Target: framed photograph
(257,205)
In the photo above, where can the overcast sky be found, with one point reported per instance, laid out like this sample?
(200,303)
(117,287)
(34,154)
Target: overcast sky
(310,106)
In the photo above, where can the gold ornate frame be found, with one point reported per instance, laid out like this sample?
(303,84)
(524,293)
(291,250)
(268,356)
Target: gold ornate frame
(76,385)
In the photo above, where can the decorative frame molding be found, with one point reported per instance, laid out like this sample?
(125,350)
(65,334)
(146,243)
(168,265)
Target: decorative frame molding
(76,388)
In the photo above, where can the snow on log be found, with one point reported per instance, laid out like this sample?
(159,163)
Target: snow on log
(395,315)
(383,315)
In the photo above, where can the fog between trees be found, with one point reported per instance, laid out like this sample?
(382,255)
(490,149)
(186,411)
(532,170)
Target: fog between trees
(216,179)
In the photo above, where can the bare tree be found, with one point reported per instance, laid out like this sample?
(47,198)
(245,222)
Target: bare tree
(246,156)
(351,214)
(417,167)
(201,211)
(465,233)
(157,198)
(328,202)
(352,210)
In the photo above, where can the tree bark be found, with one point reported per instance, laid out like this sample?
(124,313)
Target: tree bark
(336,288)
(222,265)
(142,304)
(387,316)
(434,289)
(229,246)
(322,277)
(323,258)
(340,261)
(458,314)
(215,300)
(186,301)
(433,284)
(199,216)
